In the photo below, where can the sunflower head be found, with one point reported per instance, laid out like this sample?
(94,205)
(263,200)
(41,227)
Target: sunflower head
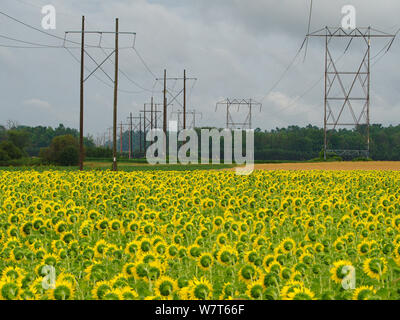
(199,289)
(165,287)
(100,289)
(9,288)
(255,290)
(301,294)
(205,261)
(63,290)
(375,268)
(340,270)
(364,293)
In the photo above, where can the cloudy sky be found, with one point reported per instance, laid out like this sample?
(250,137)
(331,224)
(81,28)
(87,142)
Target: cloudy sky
(236,49)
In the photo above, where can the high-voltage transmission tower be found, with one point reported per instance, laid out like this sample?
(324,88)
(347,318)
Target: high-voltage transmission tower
(347,92)
(248,105)
(191,124)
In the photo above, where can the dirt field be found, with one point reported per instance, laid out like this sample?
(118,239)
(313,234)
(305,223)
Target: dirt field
(373,165)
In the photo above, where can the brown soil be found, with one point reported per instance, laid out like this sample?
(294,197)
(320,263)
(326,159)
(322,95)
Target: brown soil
(370,165)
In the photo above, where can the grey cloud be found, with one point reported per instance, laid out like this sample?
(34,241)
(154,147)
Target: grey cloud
(235,48)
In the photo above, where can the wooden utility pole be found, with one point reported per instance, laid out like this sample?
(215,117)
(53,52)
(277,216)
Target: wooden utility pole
(175,97)
(120,138)
(81,96)
(184,99)
(144,127)
(165,103)
(155,119)
(151,114)
(114,167)
(130,137)
(109,138)
(140,132)
(83,80)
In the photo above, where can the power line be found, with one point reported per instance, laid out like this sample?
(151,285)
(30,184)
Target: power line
(38,45)
(50,34)
(144,62)
(308,29)
(98,78)
(285,71)
(307,91)
(129,78)
(37,29)
(28,42)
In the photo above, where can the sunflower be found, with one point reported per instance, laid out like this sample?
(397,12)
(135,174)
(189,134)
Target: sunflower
(268,259)
(100,248)
(63,290)
(340,244)
(251,256)
(375,268)
(255,290)
(205,261)
(339,272)
(128,294)
(128,270)
(226,256)
(289,288)
(60,227)
(115,225)
(14,273)
(100,289)
(222,239)
(363,248)
(228,291)
(194,251)
(113,294)
(85,229)
(172,251)
(300,294)
(198,289)
(288,245)
(286,273)
(9,288)
(248,273)
(165,287)
(67,237)
(95,272)
(28,294)
(160,247)
(155,270)
(274,267)
(364,293)
(50,259)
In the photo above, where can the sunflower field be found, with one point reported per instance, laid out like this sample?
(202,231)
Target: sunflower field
(200,235)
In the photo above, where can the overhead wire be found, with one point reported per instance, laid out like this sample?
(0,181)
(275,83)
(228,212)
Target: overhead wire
(129,78)
(308,29)
(33,45)
(283,75)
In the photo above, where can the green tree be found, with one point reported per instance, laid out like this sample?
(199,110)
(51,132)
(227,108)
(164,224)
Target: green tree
(20,138)
(10,150)
(63,151)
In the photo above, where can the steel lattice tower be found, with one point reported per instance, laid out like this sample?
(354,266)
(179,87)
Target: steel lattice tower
(356,92)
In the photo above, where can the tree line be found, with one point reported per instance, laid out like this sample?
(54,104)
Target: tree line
(293,143)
